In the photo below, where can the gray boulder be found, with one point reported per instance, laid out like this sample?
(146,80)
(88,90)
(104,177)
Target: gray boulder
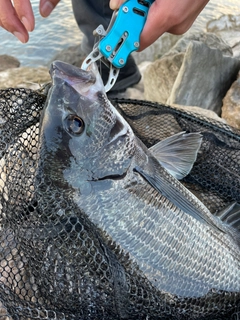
(7,62)
(204,78)
(225,22)
(197,71)
(210,39)
(160,76)
(228,28)
(231,105)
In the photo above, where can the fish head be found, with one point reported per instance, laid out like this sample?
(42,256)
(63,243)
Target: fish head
(82,136)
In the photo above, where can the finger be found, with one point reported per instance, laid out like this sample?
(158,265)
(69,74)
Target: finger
(47,6)
(25,13)
(115,4)
(155,26)
(11,22)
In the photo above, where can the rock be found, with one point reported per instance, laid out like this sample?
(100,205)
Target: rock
(231,105)
(7,62)
(143,67)
(157,49)
(225,22)
(160,76)
(193,73)
(204,78)
(25,77)
(72,55)
(228,28)
(210,39)
(134,93)
(137,91)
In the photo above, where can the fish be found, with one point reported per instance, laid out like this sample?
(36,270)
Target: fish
(171,250)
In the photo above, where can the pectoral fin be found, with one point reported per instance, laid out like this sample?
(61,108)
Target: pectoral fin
(178,153)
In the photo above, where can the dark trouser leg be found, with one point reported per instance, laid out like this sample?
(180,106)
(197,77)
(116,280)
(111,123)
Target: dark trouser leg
(89,14)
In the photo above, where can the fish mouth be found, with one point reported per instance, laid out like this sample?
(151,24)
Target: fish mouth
(71,74)
(85,82)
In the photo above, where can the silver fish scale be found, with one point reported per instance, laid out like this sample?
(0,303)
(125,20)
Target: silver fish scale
(177,253)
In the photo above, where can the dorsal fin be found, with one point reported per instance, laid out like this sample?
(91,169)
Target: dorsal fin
(178,153)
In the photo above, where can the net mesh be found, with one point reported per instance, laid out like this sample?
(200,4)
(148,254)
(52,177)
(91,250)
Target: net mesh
(54,263)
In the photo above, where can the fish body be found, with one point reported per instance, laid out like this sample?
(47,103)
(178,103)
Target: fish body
(182,258)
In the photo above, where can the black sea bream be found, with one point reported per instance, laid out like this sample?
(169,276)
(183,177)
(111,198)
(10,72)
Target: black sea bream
(189,258)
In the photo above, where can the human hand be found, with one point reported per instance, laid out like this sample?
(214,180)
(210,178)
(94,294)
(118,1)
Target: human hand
(171,16)
(17,17)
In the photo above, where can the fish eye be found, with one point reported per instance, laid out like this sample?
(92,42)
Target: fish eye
(74,124)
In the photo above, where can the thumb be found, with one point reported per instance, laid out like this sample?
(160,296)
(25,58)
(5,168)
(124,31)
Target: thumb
(47,6)
(115,4)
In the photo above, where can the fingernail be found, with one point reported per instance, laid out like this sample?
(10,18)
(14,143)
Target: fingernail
(46,9)
(115,4)
(26,24)
(19,36)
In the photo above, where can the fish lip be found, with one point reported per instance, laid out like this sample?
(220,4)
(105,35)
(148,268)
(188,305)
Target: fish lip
(86,82)
(70,73)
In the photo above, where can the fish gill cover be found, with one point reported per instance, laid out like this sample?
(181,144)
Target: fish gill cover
(56,264)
